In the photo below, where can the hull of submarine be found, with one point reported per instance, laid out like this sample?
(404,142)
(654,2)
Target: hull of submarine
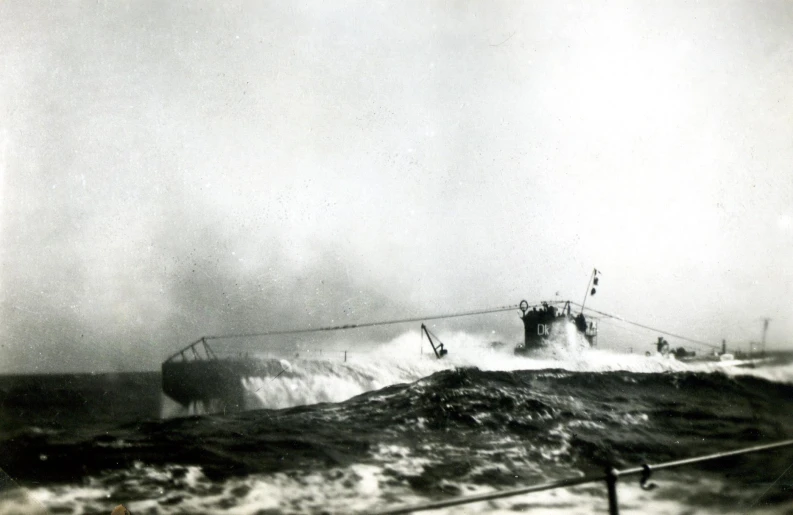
(187,382)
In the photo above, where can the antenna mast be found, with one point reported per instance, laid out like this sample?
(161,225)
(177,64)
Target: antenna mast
(765,330)
(592,278)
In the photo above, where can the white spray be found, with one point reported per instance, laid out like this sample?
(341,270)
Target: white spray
(310,381)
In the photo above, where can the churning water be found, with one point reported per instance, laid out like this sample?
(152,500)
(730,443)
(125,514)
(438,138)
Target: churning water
(396,426)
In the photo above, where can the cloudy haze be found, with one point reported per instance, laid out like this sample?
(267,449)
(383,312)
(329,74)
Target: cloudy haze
(171,170)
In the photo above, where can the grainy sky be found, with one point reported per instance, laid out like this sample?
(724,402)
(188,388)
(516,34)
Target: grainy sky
(176,169)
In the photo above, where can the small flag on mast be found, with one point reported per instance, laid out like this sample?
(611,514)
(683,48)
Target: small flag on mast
(595,281)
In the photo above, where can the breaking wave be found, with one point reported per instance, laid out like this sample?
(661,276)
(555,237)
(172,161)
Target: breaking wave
(312,381)
(452,432)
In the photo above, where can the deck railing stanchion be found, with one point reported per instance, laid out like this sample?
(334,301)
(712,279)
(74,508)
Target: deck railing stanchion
(611,483)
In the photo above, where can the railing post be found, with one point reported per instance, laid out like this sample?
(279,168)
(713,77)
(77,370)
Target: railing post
(611,483)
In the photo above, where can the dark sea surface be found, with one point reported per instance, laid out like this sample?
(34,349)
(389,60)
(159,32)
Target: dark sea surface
(356,437)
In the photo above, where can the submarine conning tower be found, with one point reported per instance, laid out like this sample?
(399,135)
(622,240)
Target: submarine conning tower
(538,322)
(542,321)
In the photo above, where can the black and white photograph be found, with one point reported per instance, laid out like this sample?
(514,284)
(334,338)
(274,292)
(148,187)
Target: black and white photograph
(389,257)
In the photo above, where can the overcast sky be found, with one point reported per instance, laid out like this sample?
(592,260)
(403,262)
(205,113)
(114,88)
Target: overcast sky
(177,169)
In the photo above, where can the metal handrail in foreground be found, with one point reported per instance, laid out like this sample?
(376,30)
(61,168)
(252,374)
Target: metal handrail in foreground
(610,477)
